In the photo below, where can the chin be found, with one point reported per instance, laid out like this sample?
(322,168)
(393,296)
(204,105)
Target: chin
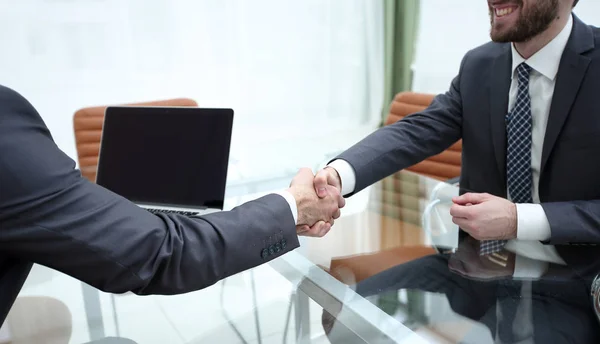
(498,36)
(501,33)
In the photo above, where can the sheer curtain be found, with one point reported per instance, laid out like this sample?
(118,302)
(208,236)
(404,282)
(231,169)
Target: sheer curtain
(296,72)
(448,30)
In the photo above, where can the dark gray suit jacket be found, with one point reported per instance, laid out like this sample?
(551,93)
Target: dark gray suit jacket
(52,216)
(474,109)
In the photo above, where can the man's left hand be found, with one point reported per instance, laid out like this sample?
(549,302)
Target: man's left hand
(484,216)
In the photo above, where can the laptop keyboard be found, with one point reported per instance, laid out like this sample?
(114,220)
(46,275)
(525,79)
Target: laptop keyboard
(166,211)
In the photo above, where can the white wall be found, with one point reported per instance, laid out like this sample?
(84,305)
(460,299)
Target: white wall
(447,30)
(289,69)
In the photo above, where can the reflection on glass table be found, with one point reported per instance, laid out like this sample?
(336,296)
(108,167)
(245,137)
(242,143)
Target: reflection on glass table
(394,269)
(404,254)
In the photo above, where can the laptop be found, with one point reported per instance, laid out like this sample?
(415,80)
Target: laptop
(166,159)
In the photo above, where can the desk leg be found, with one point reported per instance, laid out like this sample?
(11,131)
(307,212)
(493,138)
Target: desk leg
(93,312)
(302,317)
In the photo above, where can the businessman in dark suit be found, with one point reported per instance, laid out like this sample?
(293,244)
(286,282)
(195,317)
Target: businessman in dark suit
(526,106)
(52,216)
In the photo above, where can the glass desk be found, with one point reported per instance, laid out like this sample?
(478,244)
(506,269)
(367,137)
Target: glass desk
(392,270)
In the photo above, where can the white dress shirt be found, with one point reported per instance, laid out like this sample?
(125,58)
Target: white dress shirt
(291,201)
(532,223)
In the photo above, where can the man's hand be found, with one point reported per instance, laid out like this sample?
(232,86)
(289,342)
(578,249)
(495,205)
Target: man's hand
(484,216)
(315,215)
(329,177)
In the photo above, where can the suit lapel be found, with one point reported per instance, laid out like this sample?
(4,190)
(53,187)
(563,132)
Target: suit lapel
(500,86)
(570,74)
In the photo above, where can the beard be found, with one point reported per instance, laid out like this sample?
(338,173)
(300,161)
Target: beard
(531,22)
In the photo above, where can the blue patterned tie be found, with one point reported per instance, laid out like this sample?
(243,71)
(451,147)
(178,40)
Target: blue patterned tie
(518,154)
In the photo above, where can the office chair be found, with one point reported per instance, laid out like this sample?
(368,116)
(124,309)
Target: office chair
(443,166)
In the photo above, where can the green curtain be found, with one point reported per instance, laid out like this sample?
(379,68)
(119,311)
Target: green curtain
(401,19)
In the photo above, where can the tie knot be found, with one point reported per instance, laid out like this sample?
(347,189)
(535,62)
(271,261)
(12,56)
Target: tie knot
(523,71)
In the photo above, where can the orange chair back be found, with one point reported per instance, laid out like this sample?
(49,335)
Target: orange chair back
(88,123)
(443,166)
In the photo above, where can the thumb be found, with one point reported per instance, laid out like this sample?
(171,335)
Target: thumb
(321,183)
(473,198)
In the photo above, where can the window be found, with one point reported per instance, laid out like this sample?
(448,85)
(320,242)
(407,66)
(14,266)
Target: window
(302,76)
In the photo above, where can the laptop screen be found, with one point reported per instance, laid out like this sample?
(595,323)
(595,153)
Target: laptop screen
(166,156)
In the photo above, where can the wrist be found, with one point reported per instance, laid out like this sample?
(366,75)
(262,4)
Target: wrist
(299,204)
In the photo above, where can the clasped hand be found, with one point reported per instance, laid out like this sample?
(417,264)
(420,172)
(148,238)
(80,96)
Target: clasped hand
(318,202)
(485,216)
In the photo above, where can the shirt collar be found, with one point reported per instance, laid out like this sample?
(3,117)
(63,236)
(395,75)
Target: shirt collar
(547,59)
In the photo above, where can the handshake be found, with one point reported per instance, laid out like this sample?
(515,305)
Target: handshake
(318,200)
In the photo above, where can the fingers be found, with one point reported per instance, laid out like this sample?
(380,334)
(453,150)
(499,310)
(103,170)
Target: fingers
(327,176)
(462,223)
(335,203)
(320,182)
(474,198)
(341,202)
(325,228)
(337,214)
(318,230)
(462,211)
(335,193)
(301,229)
(321,210)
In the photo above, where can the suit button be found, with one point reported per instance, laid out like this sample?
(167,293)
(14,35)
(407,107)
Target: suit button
(283,244)
(264,253)
(271,249)
(277,247)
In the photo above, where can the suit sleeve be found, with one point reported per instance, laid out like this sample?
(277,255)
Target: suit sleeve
(408,141)
(573,222)
(52,216)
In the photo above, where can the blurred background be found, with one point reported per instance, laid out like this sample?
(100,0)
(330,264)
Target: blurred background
(313,75)
(306,78)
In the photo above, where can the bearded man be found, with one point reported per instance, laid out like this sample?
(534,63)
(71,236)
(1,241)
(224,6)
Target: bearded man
(526,106)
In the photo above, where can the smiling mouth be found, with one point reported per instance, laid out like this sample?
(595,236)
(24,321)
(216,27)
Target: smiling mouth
(502,12)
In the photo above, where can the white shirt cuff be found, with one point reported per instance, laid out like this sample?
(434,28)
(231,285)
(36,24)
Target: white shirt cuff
(529,268)
(532,223)
(346,173)
(292,202)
